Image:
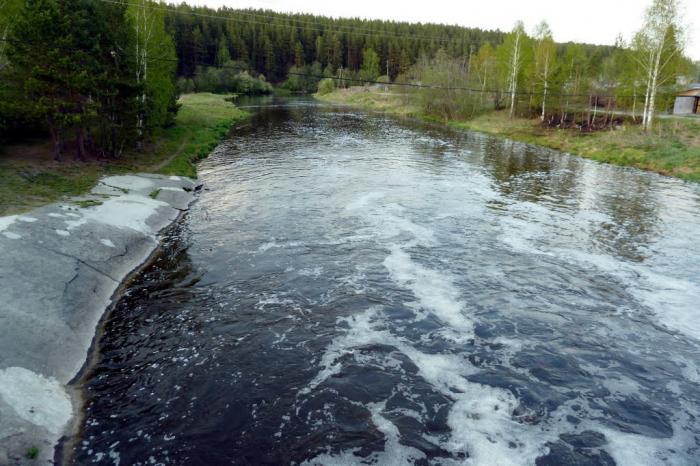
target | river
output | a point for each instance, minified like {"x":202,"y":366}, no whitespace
{"x":355,"y":289}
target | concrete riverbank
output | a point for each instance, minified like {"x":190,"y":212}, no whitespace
{"x":61,"y":266}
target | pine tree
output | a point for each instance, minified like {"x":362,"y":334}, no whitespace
{"x":370,"y":65}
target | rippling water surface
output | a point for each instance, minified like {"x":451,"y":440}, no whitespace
{"x":351,"y":289}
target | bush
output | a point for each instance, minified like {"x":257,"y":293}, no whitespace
{"x":326,"y":86}
{"x":231,"y":77}
{"x":303,"y":79}
{"x":185,"y":86}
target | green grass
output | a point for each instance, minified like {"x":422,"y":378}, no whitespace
{"x":154,"y":194}
{"x":32,"y":453}
{"x":30,"y":178}
{"x":202,"y":122}
{"x":370,"y":99}
{"x":84,"y":204}
{"x":673,"y":148}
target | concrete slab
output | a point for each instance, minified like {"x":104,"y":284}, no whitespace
{"x":61,"y":265}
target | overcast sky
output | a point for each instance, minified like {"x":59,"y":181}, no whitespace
{"x":591,"y":21}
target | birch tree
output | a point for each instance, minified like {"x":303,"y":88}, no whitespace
{"x":155,"y":58}
{"x":575,"y":72}
{"x":484,"y":70}
{"x":8,"y":10}
{"x":545,"y":61}
{"x":658,"y":46}
{"x":511,"y":58}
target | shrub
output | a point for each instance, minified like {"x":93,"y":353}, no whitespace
{"x":326,"y":86}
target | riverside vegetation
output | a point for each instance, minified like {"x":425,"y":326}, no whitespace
{"x":671,"y":148}
{"x":531,"y":89}
{"x":29,"y":177}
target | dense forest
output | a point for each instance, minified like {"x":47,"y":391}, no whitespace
{"x":105,"y":74}
{"x":271,"y":43}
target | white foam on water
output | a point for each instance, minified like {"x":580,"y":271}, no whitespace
{"x":630,"y":449}
{"x":62,"y":233}
{"x":481,"y":418}
{"x":394,"y":453}
{"x":27,"y":219}
{"x":7,"y":221}
{"x":434,"y":290}
{"x":389,"y":224}
{"x":10,"y":235}
{"x":266,"y":246}
{"x":676,"y":301}
{"x":673,"y":300}
{"x":274,"y":245}
{"x":664,"y":288}
{"x":364,"y":200}
{"x":37,"y":399}
{"x":311,"y":272}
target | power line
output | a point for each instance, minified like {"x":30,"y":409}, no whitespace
{"x":406,"y":85}
{"x":320,"y":27}
{"x":434,"y":87}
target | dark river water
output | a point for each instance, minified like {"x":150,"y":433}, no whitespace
{"x":354,"y":289}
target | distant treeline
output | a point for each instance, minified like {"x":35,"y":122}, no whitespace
{"x":104,"y":75}
{"x":271,"y":43}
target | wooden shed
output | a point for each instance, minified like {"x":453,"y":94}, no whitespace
{"x":688,"y":102}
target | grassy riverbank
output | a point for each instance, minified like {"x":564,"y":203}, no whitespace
{"x":29,"y":177}
{"x":673,"y":148}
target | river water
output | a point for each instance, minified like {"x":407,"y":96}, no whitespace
{"x":354,"y":289}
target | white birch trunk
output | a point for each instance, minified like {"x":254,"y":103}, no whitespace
{"x":654,"y":86}
{"x":546,"y":84}
{"x":515,"y":66}
{"x":143,"y":36}
{"x":645,"y":114}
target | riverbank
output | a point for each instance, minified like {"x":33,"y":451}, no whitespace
{"x":30,"y":178}
{"x":62,"y":265}
{"x":64,"y":262}
{"x":673,"y":148}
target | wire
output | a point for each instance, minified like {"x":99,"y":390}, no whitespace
{"x":321,"y":28}
{"x":409,"y":85}
{"x":437,"y":87}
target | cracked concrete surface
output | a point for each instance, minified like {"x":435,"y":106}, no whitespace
{"x":61,"y":265}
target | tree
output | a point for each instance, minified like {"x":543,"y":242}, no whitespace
{"x":658,"y":47}
{"x":370,"y":65}
{"x":156,"y":61}
{"x":511,"y":60}
{"x":483,"y":68}
{"x":89,"y":71}
{"x":42,"y":55}
{"x":545,"y":61}
{"x":8,"y":11}
{"x":298,"y":54}
{"x":575,"y":74}
{"x":222,"y":54}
